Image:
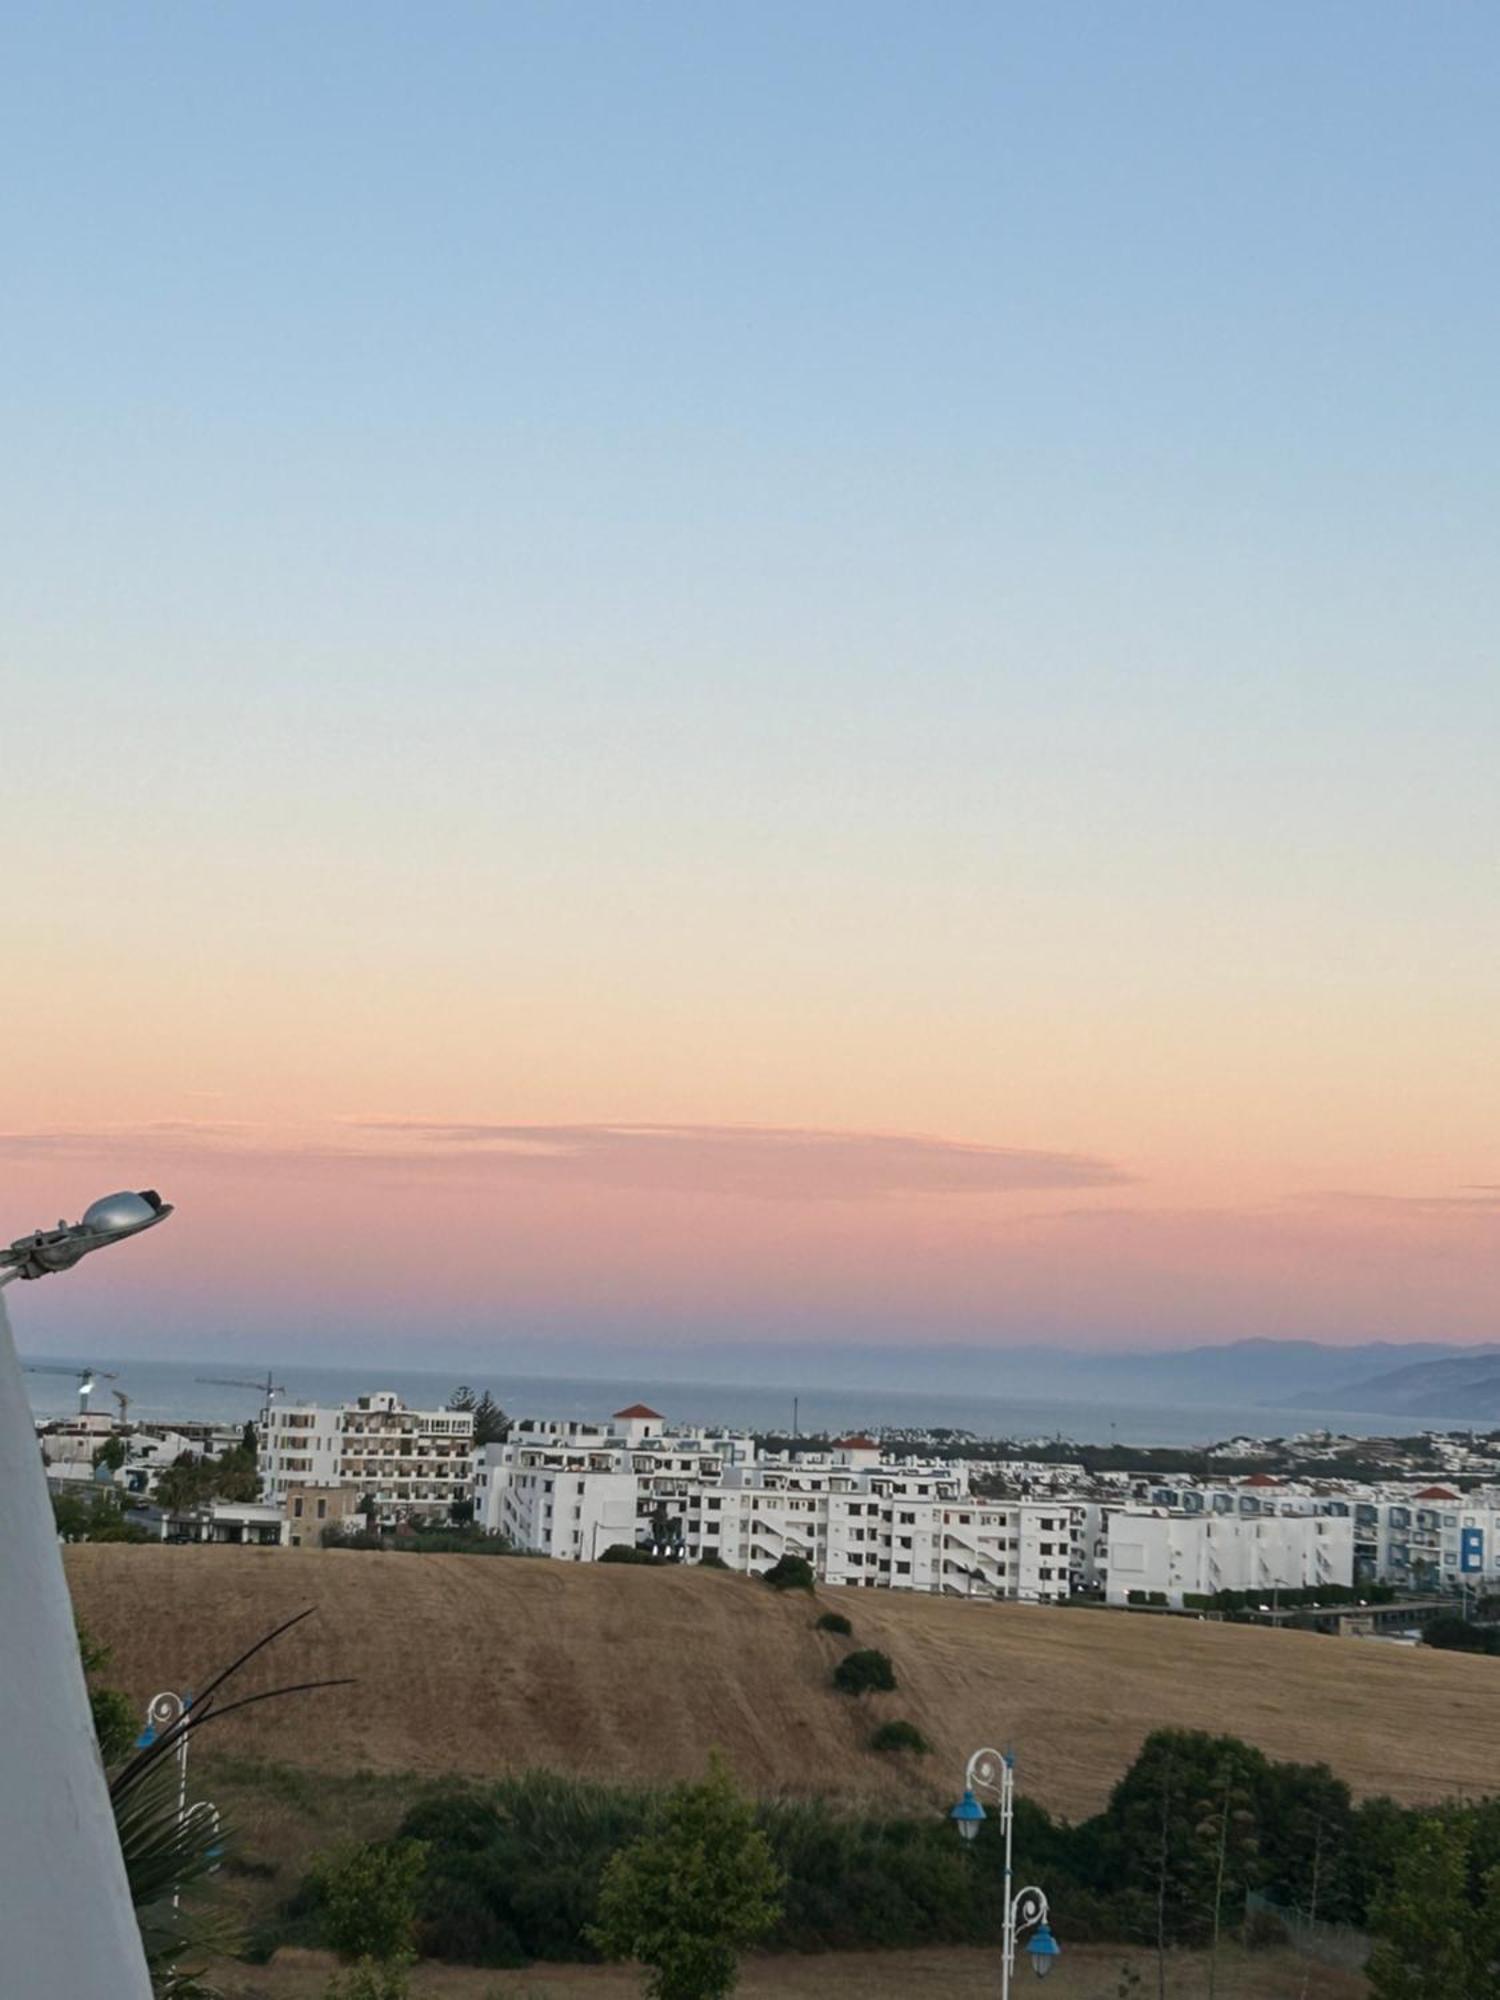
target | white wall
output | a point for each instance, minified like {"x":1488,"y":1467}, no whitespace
{"x":67,"y":1929}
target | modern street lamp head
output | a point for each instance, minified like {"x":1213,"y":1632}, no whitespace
{"x":968,"y":1815}
{"x":109,"y":1220}
{"x":1043,"y":1950}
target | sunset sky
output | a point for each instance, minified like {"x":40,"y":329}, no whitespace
{"x":696,"y":673}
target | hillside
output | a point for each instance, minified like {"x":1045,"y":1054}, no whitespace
{"x":485,"y":1665}
{"x":1467,"y":1383}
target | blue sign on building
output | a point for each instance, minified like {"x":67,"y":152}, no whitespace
{"x":1470,"y":1550}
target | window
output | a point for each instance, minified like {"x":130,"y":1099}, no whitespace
{"x":297,"y":1508}
{"x":322,"y":1510}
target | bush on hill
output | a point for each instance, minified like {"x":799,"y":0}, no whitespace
{"x":628,"y":1552}
{"x":900,"y":1736}
{"x":835,"y":1621}
{"x":864,"y":1672}
{"x":790,"y":1573}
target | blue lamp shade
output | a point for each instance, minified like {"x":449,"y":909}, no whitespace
{"x":1043,"y":1950}
{"x":968,"y":1815}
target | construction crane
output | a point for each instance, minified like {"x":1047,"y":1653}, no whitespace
{"x":84,"y":1377}
{"x":265,"y":1390}
{"x":124,"y":1402}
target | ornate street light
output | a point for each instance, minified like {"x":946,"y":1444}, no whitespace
{"x":994,"y":1771}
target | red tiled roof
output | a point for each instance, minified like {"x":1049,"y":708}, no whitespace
{"x":639,"y":1410}
{"x":855,"y":1444}
{"x":1438,"y":1493}
{"x":1261,"y":1479}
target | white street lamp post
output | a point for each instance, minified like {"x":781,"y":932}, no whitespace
{"x":163,"y":1712}
{"x":66,"y":1921}
{"x":994,"y":1771}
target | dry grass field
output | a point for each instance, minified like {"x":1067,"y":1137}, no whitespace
{"x":485,"y":1665}
{"x":1091,"y":1973}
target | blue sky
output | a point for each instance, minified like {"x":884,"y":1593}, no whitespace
{"x":875,"y":568}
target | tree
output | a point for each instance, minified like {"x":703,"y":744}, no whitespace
{"x":368,"y":1896}
{"x":194,"y":1482}
{"x":1430,"y":1943}
{"x":1229,"y":1827}
{"x":491,"y":1424}
{"x":111,"y":1454}
{"x":1454,"y":1634}
{"x":185,"y":1483}
{"x":1179,"y":1837}
{"x":689,"y":1896}
{"x":99,"y":1518}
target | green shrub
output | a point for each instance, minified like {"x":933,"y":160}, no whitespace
{"x":790,"y":1573}
{"x":835,"y":1621}
{"x":627,"y":1552}
{"x":692,"y":1893}
{"x":900,"y":1736}
{"x":369,"y":1980}
{"x":864,"y":1672}
{"x":368,"y":1898}
{"x":711,"y":1559}
{"x":1453,"y":1634}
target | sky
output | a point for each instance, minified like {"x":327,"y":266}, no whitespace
{"x":700,"y":674}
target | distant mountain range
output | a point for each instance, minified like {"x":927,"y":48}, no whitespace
{"x":1464,"y":1384}
{"x":1401,"y":1378}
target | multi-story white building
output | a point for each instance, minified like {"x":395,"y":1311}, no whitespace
{"x":572,"y":1490}
{"x":1433,"y":1539}
{"x":1176,"y":1555}
{"x":412,"y":1463}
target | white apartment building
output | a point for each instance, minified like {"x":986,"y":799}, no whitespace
{"x":413,"y":1463}
{"x":1178,"y":1555}
{"x":572,"y":1490}
{"x":1433,"y":1539}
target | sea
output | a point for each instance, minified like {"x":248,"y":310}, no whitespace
{"x":159,"y":1391}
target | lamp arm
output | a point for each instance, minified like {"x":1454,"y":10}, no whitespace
{"x":986,"y":1770}
{"x":1029,"y":1907}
